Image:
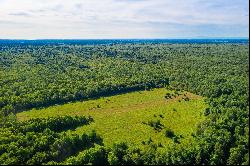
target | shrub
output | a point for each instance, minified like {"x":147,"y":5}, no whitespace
{"x":169,"y":133}
{"x":155,"y":124}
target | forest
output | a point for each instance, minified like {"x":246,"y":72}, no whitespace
{"x":37,"y":76}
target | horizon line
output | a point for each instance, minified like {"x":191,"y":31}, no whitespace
{"x":177,"y":38}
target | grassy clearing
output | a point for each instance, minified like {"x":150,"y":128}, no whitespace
{"x":126,"y":117}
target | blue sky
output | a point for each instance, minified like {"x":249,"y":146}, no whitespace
{"x":98,"y":19}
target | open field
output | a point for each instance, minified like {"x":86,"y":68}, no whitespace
{"x":124,"y":117}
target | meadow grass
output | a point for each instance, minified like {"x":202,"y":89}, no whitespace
{"x":125,"y":117}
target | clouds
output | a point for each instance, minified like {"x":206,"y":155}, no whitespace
{"x":123,"y":18}
{"x":20,"y":14}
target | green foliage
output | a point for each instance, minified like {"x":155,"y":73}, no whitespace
{"x":116,"y":156}
{"x":56,"y":124}
{"x":207,"y":112}
{"x":169,"y":133}
{"x":40,"y":76}
{"x":35,"y":143}
{"x":156,"y":124}
{"x":168,"y":96}
{"x":96,"y":155}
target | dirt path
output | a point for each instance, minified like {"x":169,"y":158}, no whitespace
{"x":140,"y":106}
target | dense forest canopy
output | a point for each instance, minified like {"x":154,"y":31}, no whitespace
{"x":40,"y":75}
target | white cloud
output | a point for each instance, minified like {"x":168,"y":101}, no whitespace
{"x":118,"y":18}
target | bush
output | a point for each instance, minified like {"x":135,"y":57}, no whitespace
{"x":169,"y":133}
{"x":168,"y":96}
{"x":207,"y":112}
{"x":156,"y":124}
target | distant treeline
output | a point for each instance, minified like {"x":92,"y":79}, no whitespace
{"x":120,"y":41}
